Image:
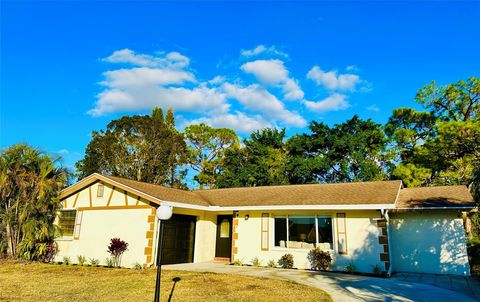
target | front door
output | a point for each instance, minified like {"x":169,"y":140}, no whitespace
{"x":224,"y":236}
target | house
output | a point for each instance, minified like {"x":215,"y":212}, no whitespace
{"x":367,"y":223}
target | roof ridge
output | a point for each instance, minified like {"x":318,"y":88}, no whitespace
{"x":298,"y":185}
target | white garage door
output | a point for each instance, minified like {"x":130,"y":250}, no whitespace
{"x":428,"y":242}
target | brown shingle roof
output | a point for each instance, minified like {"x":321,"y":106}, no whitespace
{"x":431,"y":197}
{"x":377,"y":192}
{"x":358,"y":193}
{"x":161,"y":192}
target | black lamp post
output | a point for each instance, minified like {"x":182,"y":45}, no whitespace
{"x":164,"y":213}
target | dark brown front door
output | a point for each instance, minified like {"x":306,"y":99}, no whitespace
{"x":224,"y":236}
{"x":179,"y":239}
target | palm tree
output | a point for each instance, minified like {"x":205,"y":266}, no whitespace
{"x":30,"y":182}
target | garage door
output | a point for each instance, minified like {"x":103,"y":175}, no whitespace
{"x":179,"y":239}
{"x":428,"y":242}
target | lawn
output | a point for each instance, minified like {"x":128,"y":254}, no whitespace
{"x":53,"y":282}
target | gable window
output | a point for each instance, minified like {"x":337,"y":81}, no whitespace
{"x":303,"y":232}
{"x":66,"y":222}
{"x":100,"y":190}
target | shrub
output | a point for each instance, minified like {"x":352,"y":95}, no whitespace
{"x":81,"y":260}
{"x":319,"y":260}
{"x":238,"y":262}
{"x":116,"y":248}
{"x":377,"y":269}
{"x":256,"y":262}
{"x":351,"y":267}
{"x":137,"y":266}
{"x":286,"y":261}
{"x":272,"y":263}
{"x":94,"y":262}
{"x":66,"y":260}
{"x":51,"y":251}
{"x":473,"y":248}
{"x":110,"y":261}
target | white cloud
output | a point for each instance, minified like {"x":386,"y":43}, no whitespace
{"x":63,"y":151}
{"x":274,"y":73}
{"x":141,"y":88}
{"x":332,"y":80}
{"x":169,"y":60}
{"x":238,"y":121}
{"x":262,"y":49}
{"x":333,"y":102}
{"x":200,"y":99}
{"x":352,"y":68}
{"x":256,"y":98}
{"x":143,"y":76}
{"x":373,"y":108}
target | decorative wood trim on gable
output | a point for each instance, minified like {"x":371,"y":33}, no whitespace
{"x":110,"y":197}
{"x":138,"y":200}
{"x":90,"y":195}
{"x":113,"y":208}
{"x":125,"y":195}
{"x":75,"y":201}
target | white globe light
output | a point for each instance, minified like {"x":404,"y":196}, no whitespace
{"x":164,"y":212}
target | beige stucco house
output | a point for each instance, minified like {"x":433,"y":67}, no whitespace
{"x":370,"y":223}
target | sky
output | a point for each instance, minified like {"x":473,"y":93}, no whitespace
{"x":68,"y":68}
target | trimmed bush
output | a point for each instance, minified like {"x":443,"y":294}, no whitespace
{"x":286,"y":261}
{"x":319,"y":260}
{"x":81,"y":260}
{"x":94,"y":262}
{"x":256,"y":262}
{"x":66,"y":260}
{"x":272,"y":263}
{"x":351,"y":268}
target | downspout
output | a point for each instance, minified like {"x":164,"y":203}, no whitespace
{"x":387,"y":218}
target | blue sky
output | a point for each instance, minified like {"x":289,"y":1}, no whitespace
{"x":68,"y":68}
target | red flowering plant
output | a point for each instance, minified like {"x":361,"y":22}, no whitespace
{"x":116,"y":248}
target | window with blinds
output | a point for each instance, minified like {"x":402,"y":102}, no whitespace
{"x":66,"y":222}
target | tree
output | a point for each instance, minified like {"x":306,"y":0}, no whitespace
{"x":145,"y":148}
{"x":30,"y":182}
{"x":454,"y":102}
{"x":261,"y":162}
{"x":207,"y":146}
{"x":351,"y":151}
{"x":441,"y":146}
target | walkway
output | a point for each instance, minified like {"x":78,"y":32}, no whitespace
{"x":341,"y":287}
{"x":466,"y":285}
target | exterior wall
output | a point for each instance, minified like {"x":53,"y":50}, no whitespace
{"x":116,"y":214}
{"x":205,"y":233}
{"x":363,"y":247}
{"x":428,"y":242}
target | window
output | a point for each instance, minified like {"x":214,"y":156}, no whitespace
{"x":66,"y":221}
{"x":303,"y":232}
{"x":280,"y":225}
{"x":225,"y":229}
{"x":100,"y":190}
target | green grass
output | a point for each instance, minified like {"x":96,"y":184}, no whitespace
{"x":53,"y":282}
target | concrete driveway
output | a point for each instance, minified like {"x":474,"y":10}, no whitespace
{"x":341,"y":287}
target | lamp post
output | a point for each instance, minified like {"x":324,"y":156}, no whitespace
{"x":164,"y":213}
